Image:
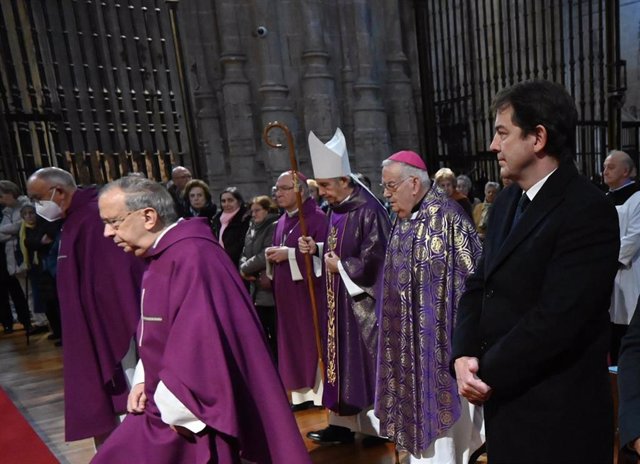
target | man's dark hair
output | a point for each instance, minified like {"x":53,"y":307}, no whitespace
{"x":539,"y":102}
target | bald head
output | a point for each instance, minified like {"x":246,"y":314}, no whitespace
{"x":55,"y":176}
{"x":180,"y":177}
{"x":285,"y":194}
{"x":618,"y":169}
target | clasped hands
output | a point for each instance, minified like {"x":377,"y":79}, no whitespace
{"x":307,"y":245}
{"x":277,"y":254}
{"x":469,"y":384}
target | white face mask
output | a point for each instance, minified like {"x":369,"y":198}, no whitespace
{"x":49,"y":209}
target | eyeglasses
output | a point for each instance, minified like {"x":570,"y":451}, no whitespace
{"x":117,"y":222}
{"x":393,"y":186}
{"x":282,"y":188}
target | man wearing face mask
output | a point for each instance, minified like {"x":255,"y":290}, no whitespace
{"x":98,"y":306}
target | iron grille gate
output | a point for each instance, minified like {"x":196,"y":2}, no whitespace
{"x":473,"y":48}
{"x":87,"y":76}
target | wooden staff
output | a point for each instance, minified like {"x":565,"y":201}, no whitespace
{"x":303,"y":225}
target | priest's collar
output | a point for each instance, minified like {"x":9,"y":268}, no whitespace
{"x":164,"y":231}
{"x":626,"y":184}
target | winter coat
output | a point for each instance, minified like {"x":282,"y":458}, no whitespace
{"x":253,"y":261}
{"x":9,"y":232}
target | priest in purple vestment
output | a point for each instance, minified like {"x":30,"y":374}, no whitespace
{"x":98,"y":288}
{"x":432,"y":249}
{"x":353,"y":258}
{"x":297,"y":351}
{"x":205,"y":389}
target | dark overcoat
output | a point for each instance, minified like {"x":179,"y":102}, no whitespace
{"x":535,"y":313}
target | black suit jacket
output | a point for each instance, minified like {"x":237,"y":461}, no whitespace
{"x":535,"y":313}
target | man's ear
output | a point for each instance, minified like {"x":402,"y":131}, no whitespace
{"x":151,"y":219}
{"x":541,"y":139}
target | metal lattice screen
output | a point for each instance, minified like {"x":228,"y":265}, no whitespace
{"x":477,"y":47}
{"x":86,"y":78}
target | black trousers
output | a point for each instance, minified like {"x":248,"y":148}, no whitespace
{"x":617,"y":332}
{"x":10,"y":288}
{"x":267,"y":315}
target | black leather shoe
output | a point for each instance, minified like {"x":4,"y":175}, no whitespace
{"x":370,"y":441}
{"x":302,"y":406}
{"x":332,"y":435}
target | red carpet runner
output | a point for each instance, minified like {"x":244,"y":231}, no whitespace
{"x":19,"y":443}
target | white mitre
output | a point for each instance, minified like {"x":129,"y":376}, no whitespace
{"x":331,"y":159}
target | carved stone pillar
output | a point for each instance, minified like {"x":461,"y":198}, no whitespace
{"x":275,"y":105}
{"x":201,"y":46}
{"x":318,"y":86}
{"x":345,"y":19}
{"x":236,"y":99}
{"x":370,"y":118}
{"x":402,"y":111}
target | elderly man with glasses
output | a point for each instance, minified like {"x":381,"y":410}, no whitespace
{"x":99,"y":289}
{"x":205,"y":389}
{"x":432,"y":248}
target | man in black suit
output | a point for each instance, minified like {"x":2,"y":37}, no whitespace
{"x":532,"y":333}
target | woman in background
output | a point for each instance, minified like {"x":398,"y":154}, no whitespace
{"x":198,"y":197}
{"x":230,"y":225}
{"x":253,"y":264}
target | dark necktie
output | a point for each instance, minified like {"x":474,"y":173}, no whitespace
{"x":522,"y":206}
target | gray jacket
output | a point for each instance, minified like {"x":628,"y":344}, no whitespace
{"x":253,"y":261}
{"x":9,"y":234}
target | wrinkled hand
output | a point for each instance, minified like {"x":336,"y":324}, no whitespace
{"x":277,"y":254}
{"x":635,"y":445}
{"x":331,"y":262}
{"x":469,"y":384}
{"x":137,"y":400}
{"x":307,"y":245}
{"x":46,"y":240}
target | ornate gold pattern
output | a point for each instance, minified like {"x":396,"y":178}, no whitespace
{"x":332,"y":241}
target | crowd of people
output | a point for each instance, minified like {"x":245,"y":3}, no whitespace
{"x":429,"y":317}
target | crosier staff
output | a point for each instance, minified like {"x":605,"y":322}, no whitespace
{"x":303,"y":225}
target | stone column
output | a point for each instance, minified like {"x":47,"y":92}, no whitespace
{"x":402,"y":111}
{"x":370,"y":119}
{"x":275,"y":104}
{"x":318,"y":85}
{"x":236,"y":99}
{"x":202,"y":46}
{"x":345,"y":19}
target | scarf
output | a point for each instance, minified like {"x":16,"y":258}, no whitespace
{"x":225,"y":219}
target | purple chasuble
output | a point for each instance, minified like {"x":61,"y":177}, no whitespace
{"x":99,"y":292}
{"x":358,"y":230}
{"x":297,"y":352}
{"x":200,"y":335}
{"x":428,"y":260}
